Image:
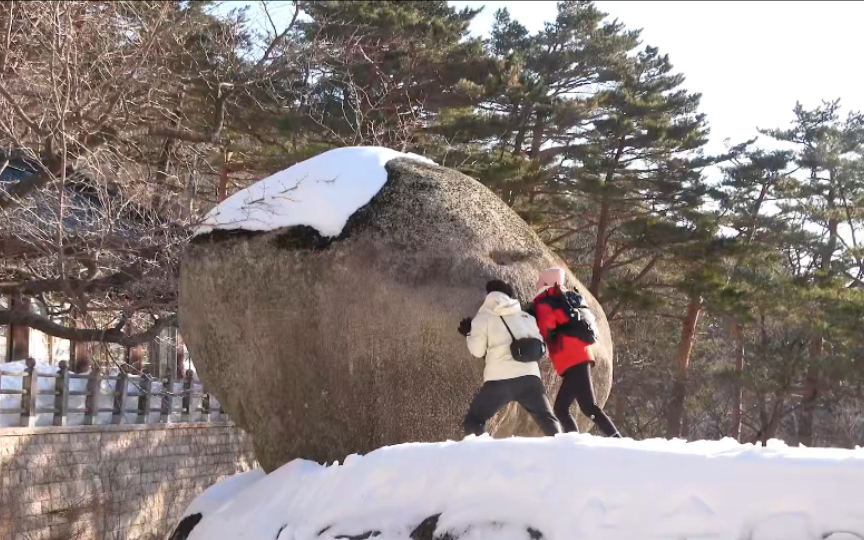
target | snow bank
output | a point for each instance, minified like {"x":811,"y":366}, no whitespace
{"x":569,"y":487}
{"x":321,"y":192}
{"x":219,"y":493}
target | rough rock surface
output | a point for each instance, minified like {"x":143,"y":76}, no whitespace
{"x":320,"y":348}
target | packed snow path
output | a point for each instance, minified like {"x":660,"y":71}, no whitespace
{"x":568,"y":487}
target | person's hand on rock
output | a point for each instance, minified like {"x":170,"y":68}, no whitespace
{"x":465,"y":326}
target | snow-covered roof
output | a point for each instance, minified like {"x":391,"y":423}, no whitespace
{"x":567,"y":487}
{"x":321,"y":192}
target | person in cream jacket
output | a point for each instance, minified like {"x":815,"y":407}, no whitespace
{"x":504,"y":379}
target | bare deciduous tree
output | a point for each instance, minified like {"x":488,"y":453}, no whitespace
{"x":115,"y":122}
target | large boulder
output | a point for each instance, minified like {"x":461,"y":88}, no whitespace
{"x":322,"y":347}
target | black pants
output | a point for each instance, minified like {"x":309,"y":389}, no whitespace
{"x":527,"y":391}
{"x":577,"y":387}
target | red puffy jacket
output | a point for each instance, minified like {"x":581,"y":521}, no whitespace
{"x":567,"y":351}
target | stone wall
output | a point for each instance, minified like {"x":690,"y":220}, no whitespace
{"x":123,"y":482}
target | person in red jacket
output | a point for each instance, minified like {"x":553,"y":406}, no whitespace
{"x":571,"y":357}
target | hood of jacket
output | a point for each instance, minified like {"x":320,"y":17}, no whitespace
{"x":500,"y":305}
{"x":549,"y":278}
{"x":549,"y":290}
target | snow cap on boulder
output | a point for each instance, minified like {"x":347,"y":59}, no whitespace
{"x":321,"y":192}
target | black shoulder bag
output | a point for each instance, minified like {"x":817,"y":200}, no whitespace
{"x":525,"y":349}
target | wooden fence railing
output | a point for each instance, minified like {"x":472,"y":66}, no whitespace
{"x":148,"y":392}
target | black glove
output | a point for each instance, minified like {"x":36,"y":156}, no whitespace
{"x":465,"y":326}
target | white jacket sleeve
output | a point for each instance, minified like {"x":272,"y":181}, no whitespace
{"x":477,"y":339}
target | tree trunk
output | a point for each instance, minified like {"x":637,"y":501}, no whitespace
{"x":520,"y":140}
{"x":8,"y":21}
{"x":19,"y":336}
{"x":685,"y":424}
{"x":736,"y":329}
{"x":519,"y":118}
{"x":537,"y":139}
{"x":80,"y":352}
{"x":222,"y":192}
{"x":769,"y":430}
{"x":598,"y":270}
{"x":164,"y":163}
{"x":833,"y":224}
{"x":811,"y":393}
{"x":135,"y":357}
{"x":737,"y":393}
{"x":154,"y":359}
{"x":81,"y":356}
{"x":181,"y":356}
{"x":599,"y":250}
{"x":679,"y":386}
{"x":811,"y":380}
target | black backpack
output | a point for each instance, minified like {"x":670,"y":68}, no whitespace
{"x":525,"y":349}
{"x":580,"y":323}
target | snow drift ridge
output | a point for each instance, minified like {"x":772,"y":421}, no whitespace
{"x":567,"y":487}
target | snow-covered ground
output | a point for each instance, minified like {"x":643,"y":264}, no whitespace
{"x":321,"y":192}
{"x":566,"y":488}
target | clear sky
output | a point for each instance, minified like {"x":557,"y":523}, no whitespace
{"x":750,"y":60}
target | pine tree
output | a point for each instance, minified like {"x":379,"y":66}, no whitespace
{"x":821,"y":205}
{"x":540,"y":95}
{"x":695,"y":265}
{"x":641,"y":167}
{"x":776,"y":283}
{"x":747,"y":195}
{"x":642,"y":170}
{"x":380,"y":72}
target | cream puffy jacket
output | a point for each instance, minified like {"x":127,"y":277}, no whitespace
{"x":489,"y":337}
